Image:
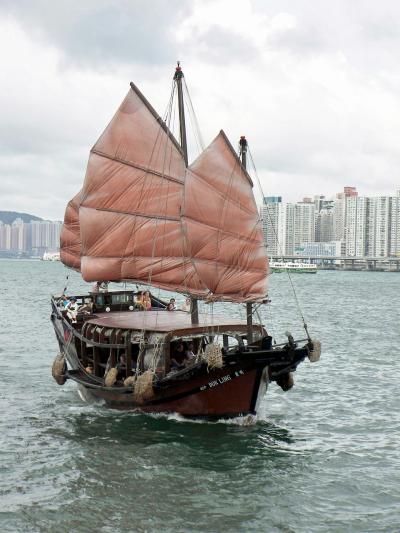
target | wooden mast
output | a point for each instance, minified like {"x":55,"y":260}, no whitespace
{"x":249,"y":305}
{"x":194,"y":310}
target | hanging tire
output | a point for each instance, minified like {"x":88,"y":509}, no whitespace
{"x":285,"y":381}
{"x":111,"y":377}
{"x":59,"y":369}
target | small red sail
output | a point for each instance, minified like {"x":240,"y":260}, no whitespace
{"x":70,"y":238}
{"x":223,"y":227}
{"x":144,"y":217}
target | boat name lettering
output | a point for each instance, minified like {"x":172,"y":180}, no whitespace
{"x":216,"y":382}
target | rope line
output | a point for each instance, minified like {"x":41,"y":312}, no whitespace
{"x":279,"y":245}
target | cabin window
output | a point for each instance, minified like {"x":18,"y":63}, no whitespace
{"x":100,"y":299}
{"x":121,"y":298}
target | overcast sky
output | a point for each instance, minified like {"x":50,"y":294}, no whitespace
{"x":314,"y":85}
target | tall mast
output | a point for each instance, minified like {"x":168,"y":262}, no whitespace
{"x":194,"y":309}
{"x":249,"y":305}
{"x":182,"y":126}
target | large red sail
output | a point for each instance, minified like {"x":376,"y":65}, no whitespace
{"x":144,"y":217}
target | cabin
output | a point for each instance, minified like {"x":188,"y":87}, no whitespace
{"x":112,"y":331}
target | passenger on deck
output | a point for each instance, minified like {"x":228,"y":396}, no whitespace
{"x":146,"y":301}
{"x":122,"y":363}
{"x":86,"y":307}
{"x":189,"y":354}
{"x":138,"y":298}
{"x":63,"y":301}
{"x":171,"y":306}
{"x":103,"y":287}
{"x":96,"y":288}
{"x":178,"y":357}
{"x":186,"y":305}
{"x":72,"y":309}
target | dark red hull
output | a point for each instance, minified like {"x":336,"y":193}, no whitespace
{"x":223,"y":393}
{"x":196,"y":391}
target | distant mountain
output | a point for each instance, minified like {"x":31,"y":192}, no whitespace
{"x":8,"y":217}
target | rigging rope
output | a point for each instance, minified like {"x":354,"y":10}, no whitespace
{"x":192,"y":112}
{"x":279,"y":245}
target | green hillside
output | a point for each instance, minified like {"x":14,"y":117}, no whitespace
{"x":8,"y":217}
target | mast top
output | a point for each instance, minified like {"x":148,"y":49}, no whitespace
{"x":178,"y":71}
{"x":243,"y":143}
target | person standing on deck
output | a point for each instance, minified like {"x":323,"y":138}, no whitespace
{"x":146,"y":301}
{"x":171,"y":306}
{"x":186,"y":305}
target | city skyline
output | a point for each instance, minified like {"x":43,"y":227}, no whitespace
{"x":33,"y":238}
{"x":349,"y":225}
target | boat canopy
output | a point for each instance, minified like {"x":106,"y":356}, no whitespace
{"x":168,"y":321}
{"x":143,"y":216}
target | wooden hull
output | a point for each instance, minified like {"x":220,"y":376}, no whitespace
{"x":231,"y":391}
{"x":207,"y":397}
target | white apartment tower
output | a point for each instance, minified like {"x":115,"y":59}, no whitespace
{"x":285,"y":226}
{"x":304,"y":224}
{"x":271,"y":215}
{"x":383,"y":226}
{"x":355,"y":225}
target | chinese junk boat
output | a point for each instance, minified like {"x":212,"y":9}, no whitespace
{"x":144,"y":216}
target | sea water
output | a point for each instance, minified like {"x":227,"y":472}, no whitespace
{"x":323,"y":457}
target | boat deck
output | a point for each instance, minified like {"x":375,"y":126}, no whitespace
{"x":163,"y":321}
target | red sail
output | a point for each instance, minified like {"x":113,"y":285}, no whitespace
{"x":70,"y":238}
{"x":144,"y":217}
{"x":223,"y":227}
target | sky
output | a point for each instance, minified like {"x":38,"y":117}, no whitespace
{"x":314,"y":86}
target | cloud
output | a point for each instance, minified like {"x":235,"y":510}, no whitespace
{"x":101,"y":33}
{"x":314,"y":86}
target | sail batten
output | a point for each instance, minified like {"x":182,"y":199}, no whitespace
{"x":138,"y":167}
{"x":143,"y":216}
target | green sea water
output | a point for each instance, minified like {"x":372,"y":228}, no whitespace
{"x":323,"y":457}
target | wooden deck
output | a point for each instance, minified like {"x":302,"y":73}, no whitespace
{"x":163,"y":321}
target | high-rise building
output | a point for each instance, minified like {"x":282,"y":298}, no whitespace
{"x":5,"y":236}
{"x":324,"y":231}
{"x":304,"y":223}
{"x":45,"y":235}
{"x":271,"y":213}
{"x":383,"y":226}
{"x":18,"y":235}
{"x":355,"y":225}
{"x":287,"y":225}
{"x":339,"y":212}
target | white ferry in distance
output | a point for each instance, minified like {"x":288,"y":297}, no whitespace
{"x":299,"y":267}
{"x":51,"y":256}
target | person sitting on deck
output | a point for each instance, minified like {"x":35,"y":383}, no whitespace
{"x":63,"y":301}
{"x":178,"y":357}
{"x":122,"y":363}
{"x":86,"y":307}
{"x":96,"y":287}
{"x":186,"y":304}
{"x":146,"y":301}
{"x":72,"y":310}
{"x":171,"y":306}
{"x":189,"y":354}
{"x":103,"y":287}
{"x":138,"y":298}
